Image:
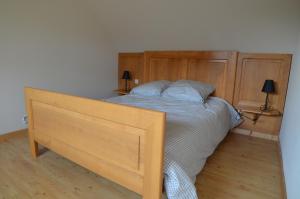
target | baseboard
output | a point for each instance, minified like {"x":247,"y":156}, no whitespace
{"x":19,"y":133}
{"x":255,"y":134}
{"x":283,"y":185}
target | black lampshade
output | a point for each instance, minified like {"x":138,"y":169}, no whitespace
{"x":268,"y":86}
{"x":126,"y":75}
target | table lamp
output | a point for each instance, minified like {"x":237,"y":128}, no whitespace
{"x":267,"y":88}
{"x":126,"y":76}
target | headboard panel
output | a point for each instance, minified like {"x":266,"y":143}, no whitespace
{"x":235,"y":75}
{"x":215,"y":67}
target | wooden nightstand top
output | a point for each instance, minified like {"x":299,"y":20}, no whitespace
{"x":122,"y":91}
{"x":258,"y":111}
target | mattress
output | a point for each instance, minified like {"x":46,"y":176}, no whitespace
{"x":193,"y":131}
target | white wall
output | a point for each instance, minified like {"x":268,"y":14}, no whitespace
{"x":72,"y":45}
{"x":290,"y":131}
{"x":53,"y":44}
{"x":244,"y":25}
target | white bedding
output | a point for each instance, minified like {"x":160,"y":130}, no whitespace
{"x":193,"y":131}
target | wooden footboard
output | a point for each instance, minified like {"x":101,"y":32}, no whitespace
{"x":121,"y":143}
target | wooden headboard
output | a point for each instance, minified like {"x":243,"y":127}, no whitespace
{"x":214,"y":67}
{"x":252,"y":70}
{"x":238,"y":77}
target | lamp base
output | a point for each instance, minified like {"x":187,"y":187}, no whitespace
{"x":126,"y":85}
{"x":265,"y":108}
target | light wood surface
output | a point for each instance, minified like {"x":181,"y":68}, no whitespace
{"x":122,"y":143}
{"x":255,"y":134}
{"x":257,"y":110}
{"x":243,"y":83}
{"x":252,"y":70}
{"x":214,"y":67}
{"x":19,"y":133}
{"x":241,"y":168}
{"x":51,"y":176}
{"x":283,"y":185}
{"x":132,"y":62}
{"x":122,"y":91}
{"x":125,"y":144}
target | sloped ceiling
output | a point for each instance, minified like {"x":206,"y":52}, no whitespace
{"x":245,"y":25}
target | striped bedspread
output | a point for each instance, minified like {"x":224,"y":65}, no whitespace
{"x":193,"y":131}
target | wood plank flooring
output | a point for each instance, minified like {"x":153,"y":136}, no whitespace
{"x":242,"y":167}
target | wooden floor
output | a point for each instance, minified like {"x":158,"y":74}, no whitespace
{"x":242,"y":167}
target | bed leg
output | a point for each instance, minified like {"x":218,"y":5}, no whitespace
{"x":34,"y":148}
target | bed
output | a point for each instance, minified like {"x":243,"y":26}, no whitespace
{"x":193,"y":131}
{"x":125,"y":142}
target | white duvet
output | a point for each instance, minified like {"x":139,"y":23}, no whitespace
{"x":193,"y":131}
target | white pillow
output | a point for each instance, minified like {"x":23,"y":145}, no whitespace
{"x":151,"y":89}
{"x":189,"y":90}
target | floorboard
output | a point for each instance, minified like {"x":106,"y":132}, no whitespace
{"x":241,"y":168}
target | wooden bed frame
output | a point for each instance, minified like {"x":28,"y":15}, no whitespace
{"x":214,"y":67}
{"x":122,"y":143}
{"x":251,"y":72}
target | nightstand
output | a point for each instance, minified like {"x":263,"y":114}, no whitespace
{"x":257,"y":112}
{"x":122,"y":91}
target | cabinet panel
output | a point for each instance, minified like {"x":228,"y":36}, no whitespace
{"x":252,"y":71}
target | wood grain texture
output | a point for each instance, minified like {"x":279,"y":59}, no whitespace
{"x":251,"y":133}
{"x":132,"y":62}
{"x":122,"y":91}
{"x":283,"y":185}
{"x":252,"y":70}
{"x":241,"y":167}
{"x":238,"y":77}
{"x":214,"y":67}
{"x":51,"y":176}
{"x":126,"y":148}
{"x":14,"y":134}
